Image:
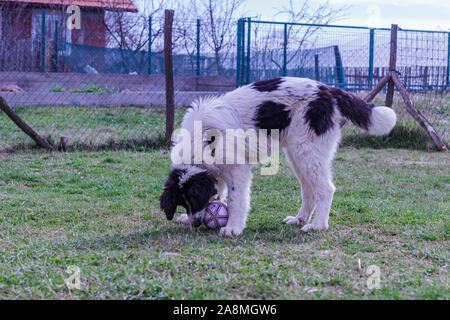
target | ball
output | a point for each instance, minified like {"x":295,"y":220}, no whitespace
{"x":216,"y":215}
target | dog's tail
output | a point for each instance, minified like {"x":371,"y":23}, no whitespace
{"x":378,"y":120}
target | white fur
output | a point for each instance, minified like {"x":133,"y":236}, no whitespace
{"x":309,"y":155}
{"x":383,"y":119}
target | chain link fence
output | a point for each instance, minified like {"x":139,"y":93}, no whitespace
{"x":423,"y":59}
{"x":353,"y":58}
{"x":101,"y":83}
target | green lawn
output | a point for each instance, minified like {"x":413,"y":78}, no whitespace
{"x":89,"y":128}
{"x":99,"y":211}
{"x":133,"y":128}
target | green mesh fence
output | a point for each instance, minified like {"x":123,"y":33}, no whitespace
{"x":90,"y":59}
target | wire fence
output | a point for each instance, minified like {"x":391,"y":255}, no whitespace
{"x":103,"y":86}
{"x":353,"y":58}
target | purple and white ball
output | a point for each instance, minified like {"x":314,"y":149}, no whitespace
{"x":216,"y":215}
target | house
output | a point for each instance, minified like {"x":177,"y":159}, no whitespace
{"x":21,"y":29}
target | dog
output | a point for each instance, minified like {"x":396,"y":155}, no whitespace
{"x":306,"y":114}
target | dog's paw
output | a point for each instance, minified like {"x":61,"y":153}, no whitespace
{"x":294,"y":220}
{"x":311,"y":226}
{"x":291,"y":220}
{"x":184,"y":219}
{"x":230,"y":231}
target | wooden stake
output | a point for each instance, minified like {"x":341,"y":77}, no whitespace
{"x":25,"y":127}
{"x":417,"y":115}
{"x":168,"y":64}
{"x":372,"y":94}
{"x":392,"y":65}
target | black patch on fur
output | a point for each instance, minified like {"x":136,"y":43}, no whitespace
{"x":320,"y":111}
{"x":352,"y":107}
{"x":272,"y":115}
{"x":194,"y":194}
{"x":267,"y":85}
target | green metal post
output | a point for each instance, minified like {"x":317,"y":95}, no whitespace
{"x":339,"y":68}
{"x":150,"y":45}
{"x":56,"y":47}
{"x":243,"y":52}
{"x":371,"y":56}
{"x":448,"y":60}
{"x":198,"y":47}
{"x":285,"y":50}
{"x":248,"y":51}
{"x":316,"y":67}
{"x":238,"y":53}
{"x":43,"y":42}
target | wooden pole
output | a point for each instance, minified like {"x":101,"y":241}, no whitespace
{"x":416,"y":114}
{"x":25,"y":127}
{"x":168,"y":65}
{"x":378,"y":87}
{"x":392,"y":65}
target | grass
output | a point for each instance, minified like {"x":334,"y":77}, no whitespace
{"x":99,"y":211}
{"x":90,"y":89}
{"x":88,"y":128}
{"x":132,"y":128}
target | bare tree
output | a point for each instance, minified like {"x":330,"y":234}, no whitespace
{"x":184,"y":31}
{"x":309,"y":13}
{"x":322,"y":13}
{"x":219,"y":31}
{"x":126,"y":30}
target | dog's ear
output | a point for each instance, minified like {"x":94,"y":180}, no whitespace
{"x":168,"y":200}
{"x":168,"y":203}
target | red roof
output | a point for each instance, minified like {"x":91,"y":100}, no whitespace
{"x":126,"y":5}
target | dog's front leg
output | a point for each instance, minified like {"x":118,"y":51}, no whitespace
{"x":183,"y":219}
{"x":239,"y":180}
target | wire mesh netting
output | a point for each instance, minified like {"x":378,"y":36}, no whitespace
{"x":99,"y":85}
{"x":102,"y":85}
{"x":423,"y":66}
{"x":353,"y":58}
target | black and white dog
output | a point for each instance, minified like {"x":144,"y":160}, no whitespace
{"x":306,"y":115}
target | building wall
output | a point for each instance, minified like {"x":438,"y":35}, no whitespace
{"x":16,"y":25}
{"x":93,"y":29}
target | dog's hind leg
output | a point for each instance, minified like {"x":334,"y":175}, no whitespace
{"x":317,"y":169}
{"x":304,"y":214}
{"x":323,"y":190}
{"x":313,"y":164}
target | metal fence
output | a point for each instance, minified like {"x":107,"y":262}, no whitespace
{"x":354,"y":58}
{"x":104,"y":89}
{"x":99,"y":86}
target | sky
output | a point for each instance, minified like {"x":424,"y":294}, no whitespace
{"x":408,"y":14}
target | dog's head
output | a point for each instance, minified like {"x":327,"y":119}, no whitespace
{"x":190,"y":187}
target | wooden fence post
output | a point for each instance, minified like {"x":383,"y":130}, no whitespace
{"x":25,"y":127}
{"x":392,"y":65}
{"x":168,"y":66}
